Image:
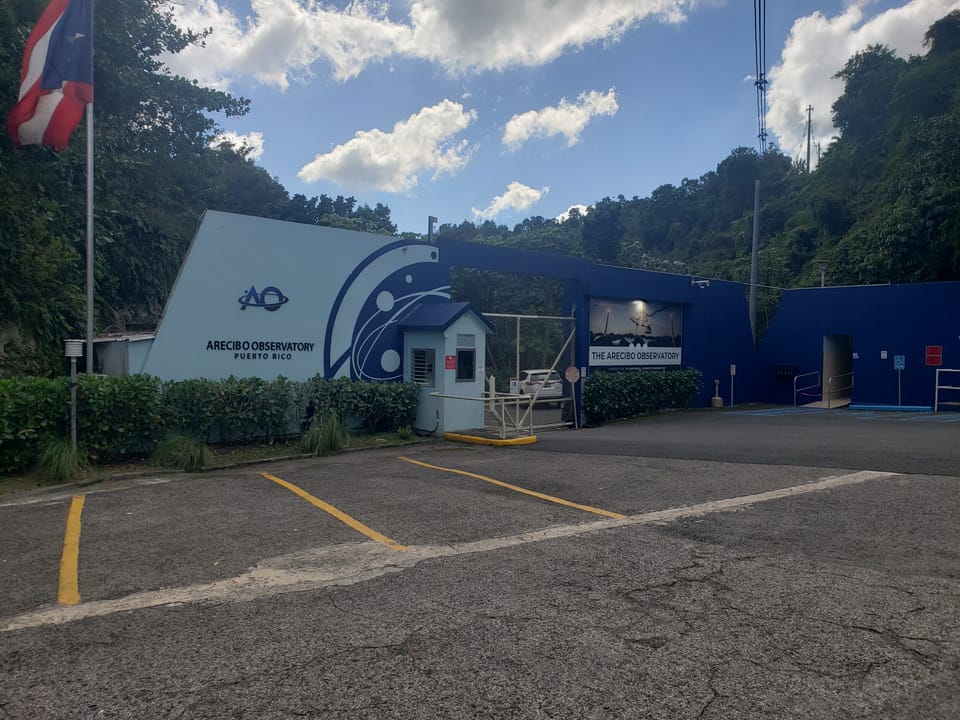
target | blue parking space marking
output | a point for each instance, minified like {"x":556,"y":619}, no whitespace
{"x":907,"y":417}
{"x":768,"y":412}
{"x":948,"y":417}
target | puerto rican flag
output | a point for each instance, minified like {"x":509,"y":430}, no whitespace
{"x":56,"y":81}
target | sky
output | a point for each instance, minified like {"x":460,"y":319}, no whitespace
{"x":507,"y":109}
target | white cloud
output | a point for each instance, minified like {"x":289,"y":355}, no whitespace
{"x":567,"y":119}
{"x":818,"y":47}
{"x":286,"y":38}
{"x":393,"y":161}
{"x":565,"y":215}
{"x":517,"y":197}
{"x":252,"y":142}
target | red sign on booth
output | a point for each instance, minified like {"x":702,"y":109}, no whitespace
{"x":934,"y":355}
{"x":450,"y":361}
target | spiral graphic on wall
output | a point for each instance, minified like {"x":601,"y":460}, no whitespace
{"x":363,"y":341}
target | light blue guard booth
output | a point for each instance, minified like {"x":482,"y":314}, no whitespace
{"x":444,"y":346}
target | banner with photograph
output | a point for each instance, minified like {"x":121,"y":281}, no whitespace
{"x":635,"y":333}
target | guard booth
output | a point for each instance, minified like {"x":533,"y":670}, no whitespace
{"x":444,"y":346}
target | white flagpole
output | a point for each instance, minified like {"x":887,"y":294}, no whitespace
{"x":90,"y":211}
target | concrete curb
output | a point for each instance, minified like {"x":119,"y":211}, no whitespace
{"x":154,"y":471}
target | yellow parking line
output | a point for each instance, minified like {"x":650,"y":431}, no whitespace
{"x":69,"y":590}
{"x":338,"y":514}
{"x":508,"y":486}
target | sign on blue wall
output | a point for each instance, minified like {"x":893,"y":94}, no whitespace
{"x":263,"y":298}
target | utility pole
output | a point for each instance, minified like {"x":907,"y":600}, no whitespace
{"x":809,"y":119}
{"x":754,"y":259}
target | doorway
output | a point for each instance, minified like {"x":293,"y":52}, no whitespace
{"x":837,"y":375}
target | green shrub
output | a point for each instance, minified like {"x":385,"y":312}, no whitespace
{"x":183,"y":453}
{"x":128,"y":415}
{"x":32,"y":410}
{"x":191,"y":407}
{"x":613,"y":395}
{"x":61,"y":462}
{"x":370,"y":406}
{"x":325,"y":437}
{"x":329,"y":397}
{"x":119,"y":416}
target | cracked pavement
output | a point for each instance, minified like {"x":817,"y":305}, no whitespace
{"x":836,"y":602}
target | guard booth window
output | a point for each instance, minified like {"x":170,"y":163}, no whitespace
{"x":423,"y":363}
{"x":466,"y":364}
{"x":466,"y":357}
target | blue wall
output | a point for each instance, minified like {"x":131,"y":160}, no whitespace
{"x":343,"y":293}
{"x":716,"y":326}
{"x":898,"y":319}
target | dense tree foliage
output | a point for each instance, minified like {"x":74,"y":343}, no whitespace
{"x":883,"y":205}
{"x":155,"y":174}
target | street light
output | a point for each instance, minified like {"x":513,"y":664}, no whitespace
{"x":73,"y":349}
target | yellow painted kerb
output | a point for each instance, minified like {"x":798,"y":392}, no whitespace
{"x":477,"y":440}
{"x":515,"y":488}
{"x":338,"y":514}
{"x":69,"y":589}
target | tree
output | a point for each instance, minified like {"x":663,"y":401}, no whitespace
{"x":603,"y":231}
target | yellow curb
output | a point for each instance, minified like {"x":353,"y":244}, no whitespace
{"x":458,"y":437}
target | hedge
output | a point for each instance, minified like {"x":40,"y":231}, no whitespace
{"x":614,"y":395}
{"x":119,"y":416}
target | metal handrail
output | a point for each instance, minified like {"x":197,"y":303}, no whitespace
{"x":797,"y":390}
{"x":939,"y":387}
{"x":521,"y":419}
{"x":831,"y":391}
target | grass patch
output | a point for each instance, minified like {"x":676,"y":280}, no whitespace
{"x":325,"y":437}
{"x":221,"y":455}
{"x":61,"y":462}
{"x":182,"y":453}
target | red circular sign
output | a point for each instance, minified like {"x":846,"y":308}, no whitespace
{"x":571,"y":374}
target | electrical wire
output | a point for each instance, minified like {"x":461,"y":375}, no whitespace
{"x":760,"y":67}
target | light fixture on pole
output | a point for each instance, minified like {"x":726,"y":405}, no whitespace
{"x":73,"y":349}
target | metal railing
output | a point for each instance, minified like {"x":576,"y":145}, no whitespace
{"x":507,"y":414}
{"x":818,"y":384}
{"x":513,"y":414}
{"x":831,"y":390}
{"x":939,"y":387}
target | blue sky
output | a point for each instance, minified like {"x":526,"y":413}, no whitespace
{"x":504,"y":109}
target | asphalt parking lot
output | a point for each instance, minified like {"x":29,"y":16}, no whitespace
{"x":757,"y":564}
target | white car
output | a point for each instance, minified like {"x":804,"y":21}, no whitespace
{"x":545,"y":380}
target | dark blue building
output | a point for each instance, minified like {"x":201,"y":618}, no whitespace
{"x":875,"y":344}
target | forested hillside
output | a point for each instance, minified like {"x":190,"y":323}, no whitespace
{"x":155,"y":173}
{"x":883,"y":205}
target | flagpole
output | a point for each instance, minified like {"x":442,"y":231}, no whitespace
{"x":90,"y":211}
{"x":89,"y":238}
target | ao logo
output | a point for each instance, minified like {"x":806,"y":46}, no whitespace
{"x":363,"y":341}
{"x":270,"y":298}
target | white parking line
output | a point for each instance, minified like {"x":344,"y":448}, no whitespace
{"x":359,"y":562}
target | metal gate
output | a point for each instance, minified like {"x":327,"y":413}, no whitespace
{"x":512,"y":414}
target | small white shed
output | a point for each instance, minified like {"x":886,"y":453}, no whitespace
{"x":444,"y":346}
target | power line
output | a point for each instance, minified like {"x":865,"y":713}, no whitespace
{"x":760,"y":68}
